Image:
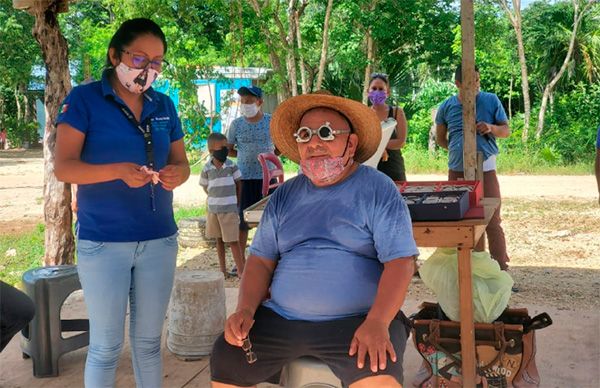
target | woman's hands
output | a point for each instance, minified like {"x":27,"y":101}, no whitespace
{"x":132,"y":174}
{"x":172,"y":175}
{"x":136,"y":176}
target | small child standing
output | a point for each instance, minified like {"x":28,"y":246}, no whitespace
{"x":221,"y":180}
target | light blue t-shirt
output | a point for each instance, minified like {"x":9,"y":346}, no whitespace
{"x":330,"y":243}
{"x":488,"y":108}
{"x":251,"y":139}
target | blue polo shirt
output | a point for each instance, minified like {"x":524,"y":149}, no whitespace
{"x":112,"y":211}
{"x":488,"y":108}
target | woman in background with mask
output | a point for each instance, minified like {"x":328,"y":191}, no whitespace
{"x":247,"y":137}
{"x":392,"y":162}
{"x":121,"y":142}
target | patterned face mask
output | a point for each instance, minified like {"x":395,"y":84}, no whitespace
{"x":325,"y":169}
{"x":377,"y":97}
{"x":136,"y":80}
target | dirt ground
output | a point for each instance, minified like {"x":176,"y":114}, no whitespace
{"x":552,"y":225}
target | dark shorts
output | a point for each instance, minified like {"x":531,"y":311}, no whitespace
{"x":251,"y":193}
{"x":277,"y":341}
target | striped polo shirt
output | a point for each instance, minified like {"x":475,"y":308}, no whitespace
{"x":220,"y":184}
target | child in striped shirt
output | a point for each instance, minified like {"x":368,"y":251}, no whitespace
{"x":221,"y":180}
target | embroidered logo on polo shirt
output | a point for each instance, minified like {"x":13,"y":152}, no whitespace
{"x":161,"y":124}
{"x":63,"y":108}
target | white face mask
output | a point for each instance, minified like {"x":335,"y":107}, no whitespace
{"x":249,"y":110}
{"x":136,"y":80}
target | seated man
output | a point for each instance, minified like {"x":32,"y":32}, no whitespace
{"x":335,"y":247}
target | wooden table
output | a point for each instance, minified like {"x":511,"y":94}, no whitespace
{"x":463,"y":235}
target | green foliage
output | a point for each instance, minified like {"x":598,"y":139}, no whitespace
{"x":29,"y":251}
{"x":419,"y":110}
{"x":19,"y":132}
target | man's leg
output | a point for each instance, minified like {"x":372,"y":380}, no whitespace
{"x":377,"y":381}
{"x":237,"y":257}
{"x":331,"y":343}
{"x":494,"y":231}
{"x":274,"y":342}
{"x":16,"y":310}
{"x":243,"y":240}
{"x":221,"y":255}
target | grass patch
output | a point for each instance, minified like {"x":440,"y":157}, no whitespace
{"x":188,"y":212}
{"x":420,"y":161}
{"x":29,"y":251}
{"x":28,"y":248}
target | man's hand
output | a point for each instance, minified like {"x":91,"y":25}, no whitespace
{"x":372,"y":337}
{"x":238,"y":326}
{"x":171,"y":176}
{"x":484,"y":128}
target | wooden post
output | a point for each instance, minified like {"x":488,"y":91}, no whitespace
{"x":59,"y":241}
{"x":468,"y":91}
{"x":468,"y":94}
{"x":467,"y":327}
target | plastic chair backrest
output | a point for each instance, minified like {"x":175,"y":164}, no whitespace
{"x":270,"y":172}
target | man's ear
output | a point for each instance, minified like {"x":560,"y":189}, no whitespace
{"x":352,"y":144}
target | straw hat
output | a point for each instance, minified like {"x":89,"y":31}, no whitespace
{"x":286,"y":121}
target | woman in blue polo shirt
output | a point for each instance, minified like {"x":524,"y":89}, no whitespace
{"x":122,"y":143}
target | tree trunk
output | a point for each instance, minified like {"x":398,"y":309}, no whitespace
{"x":325,"y":46}
{"x":289,"y":45}
{"x":59,"y":242}
{"x":369,"y":40}
{"x":515,"y":19}
{"x":284,"y":92}
{"x":524,"y":83}
{"x":305,"y":88}
{"x":510,"y":90}
{"x":18,"y":102}
{"x":577,"y":16}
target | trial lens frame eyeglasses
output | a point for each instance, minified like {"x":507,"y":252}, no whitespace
{"x":141,"y":61}
{"x":325,"y":133}
{"x":247,"y":347}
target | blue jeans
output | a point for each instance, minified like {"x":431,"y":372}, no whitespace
{"x":111,"y":274}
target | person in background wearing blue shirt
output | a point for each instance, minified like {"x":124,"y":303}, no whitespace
{"x":247,"y":137}
{"x":334,"y":249}
{"x":492,"y":123}
{"x":121,"y":142}
{"x":597,"y":164}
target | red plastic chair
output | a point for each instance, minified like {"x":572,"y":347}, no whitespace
{"x":270,"y":174}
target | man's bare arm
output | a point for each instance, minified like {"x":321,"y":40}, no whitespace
{"x":441,"y":135}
